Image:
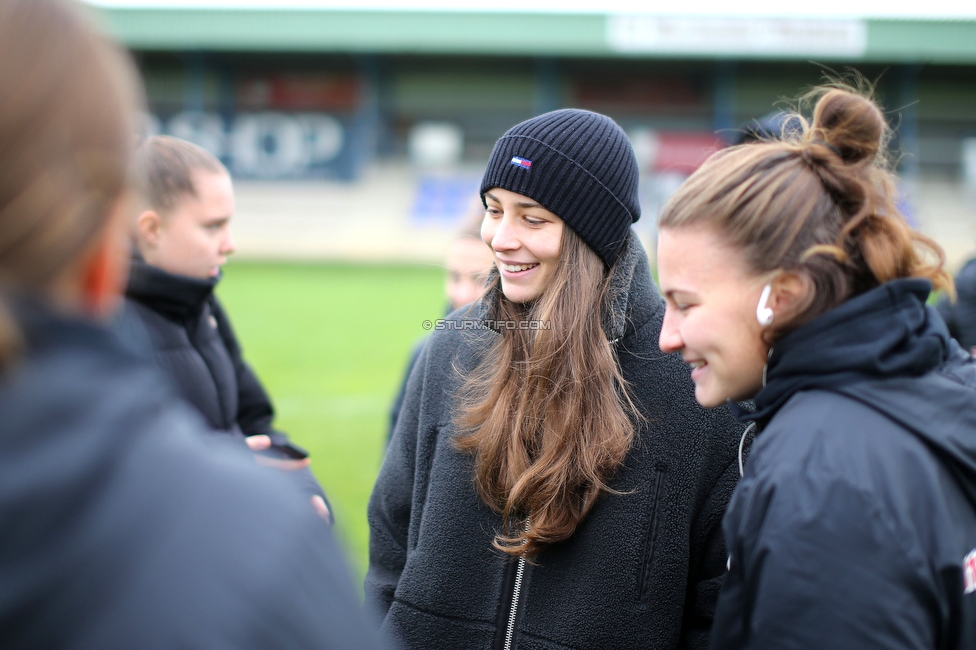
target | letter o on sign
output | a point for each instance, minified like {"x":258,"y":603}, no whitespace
{"x":325,"y":136}
{"x":268,"y":144}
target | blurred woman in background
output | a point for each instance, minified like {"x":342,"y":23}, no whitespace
{"x":551,"y":482}
{"x":791,"y":278}
{"x":122,"y":527}
{"x":172,"y":316}
{"x":468,"y":263}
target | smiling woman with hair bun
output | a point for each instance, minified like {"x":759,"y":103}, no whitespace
{"x":791,"y":279}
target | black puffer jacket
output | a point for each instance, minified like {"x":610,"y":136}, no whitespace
{"x":124,"y":526}
{"x":855,"y":523}
{"x":641,"y":571}
{"x":177,"y":323}
{"x":960,"y":316}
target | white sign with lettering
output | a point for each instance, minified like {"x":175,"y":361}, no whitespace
{"x":268,"y":144}
{"x":700,"y":35}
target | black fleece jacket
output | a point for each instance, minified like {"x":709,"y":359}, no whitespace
{"x":126,"y":526}
{"x":855,"y":523}
{"x":177,"y":323}
{"x":642,"y":570}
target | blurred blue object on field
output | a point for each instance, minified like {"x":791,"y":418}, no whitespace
{"x":441,"y":199}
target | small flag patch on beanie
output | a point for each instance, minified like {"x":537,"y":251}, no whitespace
{"x":521,"y":162}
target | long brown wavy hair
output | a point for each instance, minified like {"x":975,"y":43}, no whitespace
{"x":821,"y":202}
{"x":546,"y":414}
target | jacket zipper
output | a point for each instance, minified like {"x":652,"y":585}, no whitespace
{"x":516,"y":590}
{"x":511,"y":584}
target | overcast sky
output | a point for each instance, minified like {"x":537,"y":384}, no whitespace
{"x":771,"y":8}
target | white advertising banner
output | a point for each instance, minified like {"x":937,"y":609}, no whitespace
{"x":737,"y":36}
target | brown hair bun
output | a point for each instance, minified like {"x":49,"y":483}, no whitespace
{"x":852,"y":125}
{"x":823,"y":206}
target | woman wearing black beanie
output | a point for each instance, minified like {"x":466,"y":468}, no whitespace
{"x":551,"y":482}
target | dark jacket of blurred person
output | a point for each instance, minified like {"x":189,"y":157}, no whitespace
{"x":960,"y":316}
{"x":642,"y":570}
{"x":177,"y":323}
{"x":126,"y":527}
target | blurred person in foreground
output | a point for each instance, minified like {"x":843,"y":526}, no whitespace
{"x":123,"y":525}
{"x":469,"y":260}
{"x":171,"y":315}
{"x":792,"y":279}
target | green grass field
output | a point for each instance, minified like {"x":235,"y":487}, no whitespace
{"x":330,"y":343}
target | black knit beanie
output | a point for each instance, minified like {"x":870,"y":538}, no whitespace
{"x":578,"y":165}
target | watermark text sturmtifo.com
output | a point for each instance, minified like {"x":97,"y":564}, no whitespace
{"x":480,"y":324}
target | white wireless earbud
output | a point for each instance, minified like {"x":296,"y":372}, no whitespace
{"x":763,"y":313}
